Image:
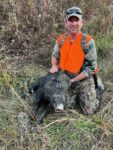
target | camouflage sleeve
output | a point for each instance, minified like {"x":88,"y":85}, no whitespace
{"x":56,"y":52}
{"x":90,"y":62}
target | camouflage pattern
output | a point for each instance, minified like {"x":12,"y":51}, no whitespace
{"x":85,"y":93}
{"x":90,"y":62}
{"x":60,"y":93}
{"x":88,"y":101}
{"x":99,"y":86}
{"x":88,"y":90}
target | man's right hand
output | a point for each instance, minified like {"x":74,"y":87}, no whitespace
{"x":54,"y":69}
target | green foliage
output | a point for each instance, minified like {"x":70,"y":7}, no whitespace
{"x":75,"y":132}
{"x":72,"y":135}
{"x":104,"y":45}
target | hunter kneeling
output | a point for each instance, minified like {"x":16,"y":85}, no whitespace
{"x":75,"y":54}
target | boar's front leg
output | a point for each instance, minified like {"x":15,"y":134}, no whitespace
{"x":37,"y":100}
{"x":47,"y":109}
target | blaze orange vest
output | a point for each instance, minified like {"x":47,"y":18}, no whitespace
{"x":72,"y":54}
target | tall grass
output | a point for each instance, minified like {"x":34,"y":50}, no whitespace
{"x":70,"y":131}
{"x":28,"y":32}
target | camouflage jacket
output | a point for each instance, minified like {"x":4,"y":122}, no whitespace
{"x":90,"y":61}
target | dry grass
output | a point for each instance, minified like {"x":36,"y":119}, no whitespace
{"x":70,"y":131}
{"x":27,"y":34}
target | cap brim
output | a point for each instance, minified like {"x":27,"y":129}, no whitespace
{"x":76,"y":15}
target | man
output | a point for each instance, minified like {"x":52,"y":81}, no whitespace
{"x":76,"y":63}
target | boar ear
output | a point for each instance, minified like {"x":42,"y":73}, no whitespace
{"x":53,"y":79}
{"x":64,"y":76}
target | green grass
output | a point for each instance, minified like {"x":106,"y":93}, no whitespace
{"x":72,"y":131}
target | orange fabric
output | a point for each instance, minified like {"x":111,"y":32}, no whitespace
{"x":71,"y":55}
{"x":60,"y":38}
{"x":89,"y":37}
{"x":96,"y":70}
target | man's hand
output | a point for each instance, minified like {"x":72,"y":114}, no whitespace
{"x":72,"y":80}
{"x":54,"y":69}
{"x":79,"y":77}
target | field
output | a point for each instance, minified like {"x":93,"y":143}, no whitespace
{"x":26,"y":44}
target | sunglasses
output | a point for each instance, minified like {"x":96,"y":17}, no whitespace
{"x":72,"y":10}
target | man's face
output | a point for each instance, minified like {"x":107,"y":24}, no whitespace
{"x":74,"y":25}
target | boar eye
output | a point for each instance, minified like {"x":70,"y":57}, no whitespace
{"x":58,"y":85}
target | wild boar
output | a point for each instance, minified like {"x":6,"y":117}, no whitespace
{"x":51,"y":89}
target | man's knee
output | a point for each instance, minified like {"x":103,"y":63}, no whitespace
{"x":89,"y":104}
